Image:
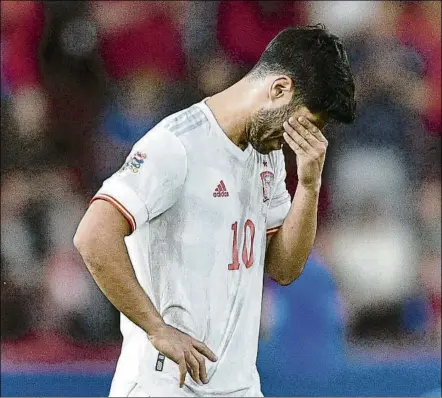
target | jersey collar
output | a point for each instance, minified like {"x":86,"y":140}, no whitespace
{"x":236,"y":151}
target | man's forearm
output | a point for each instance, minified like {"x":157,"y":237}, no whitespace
{"x":291,"y":245}
{"x":113,"y":272}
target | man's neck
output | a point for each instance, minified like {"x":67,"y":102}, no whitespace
{"x":231,"y":110}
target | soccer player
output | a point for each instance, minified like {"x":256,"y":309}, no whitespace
{"x":179,"y":238}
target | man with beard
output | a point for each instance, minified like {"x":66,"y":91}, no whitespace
{"x":179,"y":238}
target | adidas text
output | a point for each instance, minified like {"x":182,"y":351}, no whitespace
{"x":220,"y":194}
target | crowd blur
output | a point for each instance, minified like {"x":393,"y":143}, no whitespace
{"x":81,"y":82}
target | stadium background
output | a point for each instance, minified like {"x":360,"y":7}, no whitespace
{"x":82,"y":81}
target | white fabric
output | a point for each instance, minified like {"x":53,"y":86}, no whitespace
{"x":156,"y":184}
{"x":183,"y":245}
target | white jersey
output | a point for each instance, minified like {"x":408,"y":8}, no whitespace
{"x":200,"y":209}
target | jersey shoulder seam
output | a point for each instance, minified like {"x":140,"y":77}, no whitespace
{"x":185,"y":121}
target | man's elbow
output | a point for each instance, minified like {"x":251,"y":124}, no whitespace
{"x":286,"y":278}
{"x":80,"y":243}
{"x":83,"y":242}
{"x":285,"y":281}
{"x":90,"y":251}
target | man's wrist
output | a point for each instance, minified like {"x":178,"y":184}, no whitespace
{"x":154,"y":326}
{"x":311,"y":189}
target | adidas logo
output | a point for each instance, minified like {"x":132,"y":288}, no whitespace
{"x":220,"y":190}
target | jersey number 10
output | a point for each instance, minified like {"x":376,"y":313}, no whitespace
{"x":247,"y":257}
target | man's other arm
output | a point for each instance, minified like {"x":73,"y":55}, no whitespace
{"x":100,"y":241}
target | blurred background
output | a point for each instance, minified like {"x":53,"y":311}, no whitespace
{"x":81,"y":82}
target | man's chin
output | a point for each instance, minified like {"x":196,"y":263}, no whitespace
{"x":266,"y":149}
{"x":262,"y":149}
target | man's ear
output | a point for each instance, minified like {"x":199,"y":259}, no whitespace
{"x":281,"y":88}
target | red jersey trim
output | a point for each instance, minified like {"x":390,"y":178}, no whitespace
{"x":114,"y":202}
{"x":272,"y":231}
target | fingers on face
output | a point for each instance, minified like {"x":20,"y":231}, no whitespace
{"x":303,"y":132}
{"x":297,"y":140}
{"x":307,"y":138}
{"x":307,"y":130}
{"x":293,"y":144}
{"x":311,"y":128}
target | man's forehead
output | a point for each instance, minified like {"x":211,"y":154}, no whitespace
{"x":317,"y":118}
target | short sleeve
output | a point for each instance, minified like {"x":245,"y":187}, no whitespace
{"x":150,"y":180}
{"x":280,"y":202}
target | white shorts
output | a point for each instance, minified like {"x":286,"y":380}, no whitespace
{"x":171,"y":390}
{"x":158,"y":390}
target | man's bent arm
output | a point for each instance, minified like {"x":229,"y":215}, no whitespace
{"x":100,"y":241}
{"x":290,"y":247}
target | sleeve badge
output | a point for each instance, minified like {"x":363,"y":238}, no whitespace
{"x":135,"y":162}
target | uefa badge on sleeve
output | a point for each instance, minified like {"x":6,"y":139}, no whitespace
{"x":135,"y":162}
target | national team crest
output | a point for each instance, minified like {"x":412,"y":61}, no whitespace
{"x":267,"y":178}
{"x":135,"y":162}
